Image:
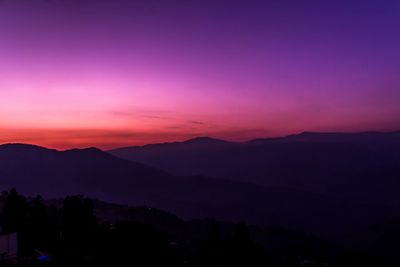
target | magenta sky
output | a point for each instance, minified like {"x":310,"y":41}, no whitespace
{"x":77,"y":73}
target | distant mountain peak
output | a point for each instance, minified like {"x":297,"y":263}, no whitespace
{"x":309,"y":133}
{"x":22,"y":146}
{"x":87,"y":149}
{"x":205,"y":139}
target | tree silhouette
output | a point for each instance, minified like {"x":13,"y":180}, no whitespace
{"x":39,"y":224}
{"x":78,"y":230}
{"x":15,"y":212}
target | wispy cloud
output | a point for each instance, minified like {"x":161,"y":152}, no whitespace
{"x":196,"y":122}
{"x":155,"y":117}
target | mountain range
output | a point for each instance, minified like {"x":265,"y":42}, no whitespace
{"x":356,"y":167}
{"x":324,"y":184}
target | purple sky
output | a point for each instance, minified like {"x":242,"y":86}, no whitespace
{"x":79,"y":73}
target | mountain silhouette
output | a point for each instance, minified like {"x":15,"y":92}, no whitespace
{"x":97,"y":174}
{"x":388,"y":143}
{"x":358,"y":166}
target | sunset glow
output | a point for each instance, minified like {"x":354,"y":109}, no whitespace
{"x":75,"y":74}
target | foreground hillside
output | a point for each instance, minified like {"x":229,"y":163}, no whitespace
{"x":78,"y":231}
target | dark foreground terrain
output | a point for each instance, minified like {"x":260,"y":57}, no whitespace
{"x":304,"y":200}
{"x":78,"y":231}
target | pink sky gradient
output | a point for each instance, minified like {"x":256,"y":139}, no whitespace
{"x":116,"y":73}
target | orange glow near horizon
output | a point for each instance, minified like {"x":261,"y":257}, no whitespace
{"x":119,"y":73}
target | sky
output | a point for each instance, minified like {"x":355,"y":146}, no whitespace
{"x":111,"y":73}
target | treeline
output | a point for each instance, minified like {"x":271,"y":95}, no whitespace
{"x":69,"y":234}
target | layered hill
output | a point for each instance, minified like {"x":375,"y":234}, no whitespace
{"x":358,"y":166}
{"x":97,"y":174}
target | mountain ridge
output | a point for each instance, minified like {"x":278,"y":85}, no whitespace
{"x":345,"y":165}
{"x":301,"y":134}
{"x":97,"y":174}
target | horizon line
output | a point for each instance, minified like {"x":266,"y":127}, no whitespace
{"x":205,"y":137}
